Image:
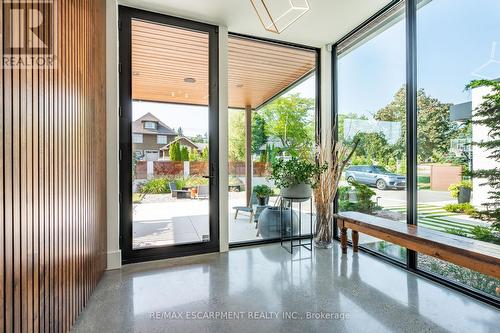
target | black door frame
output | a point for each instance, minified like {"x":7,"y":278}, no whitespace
{"x":411,"y":7}
{"x":126,"y":15}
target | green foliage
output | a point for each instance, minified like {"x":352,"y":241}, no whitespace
{"x":155,"y":186}
{"x":363,"y":198}
{"x":286,"y":173}
{"x":174,"y":151}
{"x":291,"y":120}
{"x":455,"y":231}
{"x":435,"y":129}
{"x":160,"y":185}
{"x":194,"y":155}
{"x":465,"y":208}
{"x":204,"y":154}
{"x":184,"y":154}
{"x":259,"y":134}
{"x":236,"y":136}
{"x":374,"y":148}
{"x":198,"y":138}
{"x":485,"y":234}
{"x":455,"y":188}
{"x":262,"y":191}
{"x":488,"y":115}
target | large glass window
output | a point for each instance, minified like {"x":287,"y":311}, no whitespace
{"x":272,"y":100}
{"x":456,"y":44}
{"x":372,"y":110}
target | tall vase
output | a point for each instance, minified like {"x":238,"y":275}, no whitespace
{"x":324,"y":229}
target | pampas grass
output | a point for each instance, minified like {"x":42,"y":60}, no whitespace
{"x":335,"y":156}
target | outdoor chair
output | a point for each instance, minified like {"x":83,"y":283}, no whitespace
{"x":179,"y":194}
{"x":249,"y":207}
{"x":202,"y":192}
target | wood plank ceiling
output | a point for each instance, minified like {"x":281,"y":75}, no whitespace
{"x":170,"y":65}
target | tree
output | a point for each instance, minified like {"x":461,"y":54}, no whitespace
{"x":204,"y":154}
{"x":236,"y":136}
{"x":435,"y":129}
{"x":374,"y":147}
{"x":180,"y":132}
{"x":488,"y":115}
{"x":259,"y":135}
{"x":194,"y":155}
{"x":184,"y":154}
{"x":198,"y":138}
{"x":174,"y":151}
{"x":291,"y":120}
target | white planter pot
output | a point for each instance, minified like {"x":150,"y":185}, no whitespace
{"x":299,"y":191}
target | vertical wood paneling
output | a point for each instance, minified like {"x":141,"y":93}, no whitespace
{"x":52,"y":171}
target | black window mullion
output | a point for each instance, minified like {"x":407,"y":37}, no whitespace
{"x":411,"y":122}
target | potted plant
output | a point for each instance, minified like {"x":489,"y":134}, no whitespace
{"x":262,"y":192}
{"x":295,"y":177}
{"x":461,"y":191}
{"x":334,"y":156}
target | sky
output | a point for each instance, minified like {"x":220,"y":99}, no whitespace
{"x":454,"y":39}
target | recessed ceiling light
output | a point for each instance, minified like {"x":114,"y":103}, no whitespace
{"x":190,"y":80}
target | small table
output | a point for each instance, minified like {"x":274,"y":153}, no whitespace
{"x":284,"y":238}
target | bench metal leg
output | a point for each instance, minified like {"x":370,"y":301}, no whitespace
{"x":355,"y":241}
{"x":343,"y":239}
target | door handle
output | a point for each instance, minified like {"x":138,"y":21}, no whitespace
{"x":208,"y":177}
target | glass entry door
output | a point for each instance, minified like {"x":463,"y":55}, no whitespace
{"x":168,"y":136}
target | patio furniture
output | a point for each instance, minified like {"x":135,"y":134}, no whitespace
{"x":179,"y":194}
{"x":248,"y":208}
{"x":202,"y":192}
{"x":477,"y":255}
{"x":289,"y":230}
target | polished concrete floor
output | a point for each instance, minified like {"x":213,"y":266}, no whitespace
{"x":265,"y":289}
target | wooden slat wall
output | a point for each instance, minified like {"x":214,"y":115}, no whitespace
{"x":52,"y":175}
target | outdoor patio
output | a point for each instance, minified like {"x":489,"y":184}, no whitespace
{"x":161,"y":220}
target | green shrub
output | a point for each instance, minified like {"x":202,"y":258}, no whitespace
{"x":155,"y":186}
{"x":465,"y":208}
{"x":286,"y":173}
{"x":184,"y":153}
{"x":191,"y":181}
{"x":364,"y":196}
{"x":262,"y":191}
{"x":455,"y":188}
{"x":485,"y":234}
{"x":160,"y":185}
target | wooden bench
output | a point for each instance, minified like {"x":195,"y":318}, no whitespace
{"x":477,"y":255}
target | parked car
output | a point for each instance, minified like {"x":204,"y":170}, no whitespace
{"x":374,"y":175}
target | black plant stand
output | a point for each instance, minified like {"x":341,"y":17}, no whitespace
{"x":305,"y":241}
